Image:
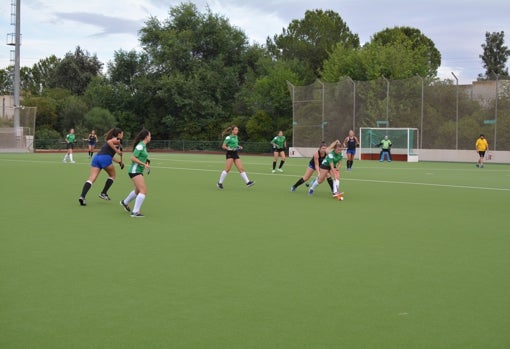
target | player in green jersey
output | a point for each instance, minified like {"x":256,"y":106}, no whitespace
{"x":330,"y":165}
{"x":232,"y":147}
{"x":279,"y":144}
{"x":70,"y":139}
{"x":140,"y":163}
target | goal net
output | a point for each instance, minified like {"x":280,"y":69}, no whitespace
{"x":404,"y":143}
{"x":17,"y":139}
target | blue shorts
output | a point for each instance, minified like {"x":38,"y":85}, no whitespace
{"x":312,"y":166}
{"x":351,"y":151}
{"x":101,"y":161}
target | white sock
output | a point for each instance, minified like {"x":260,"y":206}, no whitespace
{"x":336,"y":185}
{"x":131,"y":196}
{"x":314,"y":184}
{"x":71,"y":157}
{"x":223,"y":176}
{"x":65,"y":157}
{"x":138,"y":203}
{"x":244,"y":176}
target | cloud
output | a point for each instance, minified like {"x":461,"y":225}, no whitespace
{"x":107,"y":25}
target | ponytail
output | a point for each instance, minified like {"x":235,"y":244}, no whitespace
{"x":139,"y":137}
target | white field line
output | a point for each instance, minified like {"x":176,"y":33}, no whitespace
{"x":218,"y":170}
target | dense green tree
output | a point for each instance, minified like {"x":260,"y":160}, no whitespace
{"x":397,"y":53}
{"x":197,"y":67}
{"x":100,"y":120}
{"x":5,"y":81}
{"x":311,"y":39}
{"x":72,"y":112}
{"x":495,"y":55}
{"x":423,"y":49}
{"x":46,"y":111}
{"x":75,"y":71}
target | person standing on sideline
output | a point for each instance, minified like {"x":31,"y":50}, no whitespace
{"x":385,"y":145}
{"x":330,"y":165}
{"x":104,"y":160}
{"x":140,"y":162}
{"x":481,"y":146}
{"x":350,"y":144}
{"x":70,"y":139}
{"x":232,"y":147}
{"x":279,"y":144}
{"x":92,"y":140}
{"x":313,"y":165}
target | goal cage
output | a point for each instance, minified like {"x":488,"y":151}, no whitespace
{"x":15,"y":138}
{"x":404,"y":143}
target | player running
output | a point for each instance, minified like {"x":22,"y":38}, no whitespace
{"x":140,"y":162}
{"x":232,"y":147}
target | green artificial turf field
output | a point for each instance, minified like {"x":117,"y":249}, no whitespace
{"x":415,"y":257}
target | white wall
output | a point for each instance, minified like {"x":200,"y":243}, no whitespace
{"x":429,"y":155}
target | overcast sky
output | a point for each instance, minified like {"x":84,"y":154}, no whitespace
{"x":102,"y":27}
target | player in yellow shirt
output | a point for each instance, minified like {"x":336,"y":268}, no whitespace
{"x":481,"y":146}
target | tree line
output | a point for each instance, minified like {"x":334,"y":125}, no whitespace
{"x":197,"y":74}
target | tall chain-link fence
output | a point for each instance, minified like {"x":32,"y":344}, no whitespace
{"x":447,"y":115}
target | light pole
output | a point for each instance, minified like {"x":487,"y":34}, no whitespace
{"x":421,"y":113}
{"x":387,"y":100}
{"x":323,"y":98}
{"x":353,"y":104}
{"x":456,"y":114}
{"x":496,"y":111}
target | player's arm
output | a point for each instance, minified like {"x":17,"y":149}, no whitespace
{"x":316,"y":161}
{"x":332,"y":145}
{"x":357,"y":141}
{"x":273,"y":144}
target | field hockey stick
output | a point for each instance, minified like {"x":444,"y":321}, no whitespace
{"x":121,"y":163}
{"x":148,"y":169}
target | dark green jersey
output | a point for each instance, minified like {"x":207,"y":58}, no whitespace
{"x":141,"y":154}
{"x":231,"y":142}
{"x":279,"y":141}
{"x":70,"y":138}
{"x":332,"y":158}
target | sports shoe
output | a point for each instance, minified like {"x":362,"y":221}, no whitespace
{"x":137,"y":215}
{"x":250,"y":183}
{"x":126,"y":207}
{"x":219,"y":185}
{"x":280,"y":170}
{"x":73,"y":162}
{"x":293,"y":189}
{"x":82,"y":201}
{"x":339,"y":196}
{"x":273,"y":171}
{"x":477,"y":165}
{"x":104,"y":196}
{"x":310,"y":192}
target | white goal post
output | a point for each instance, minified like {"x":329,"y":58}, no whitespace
{"x":404,"y":143}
